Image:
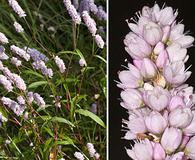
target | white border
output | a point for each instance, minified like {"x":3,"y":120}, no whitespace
{"x":107,"y":84}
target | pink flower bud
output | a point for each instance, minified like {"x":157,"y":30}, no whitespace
{"x":171,"y":139}
{"x":134,"y":27}
{"x":136,"y":46}
{"x":176,"y":53}
{"x":146,"y":11}
{"x":175,"y":73}
{"x":190,"y":148}
{"x":159,"y":152}
{"x":167,"y":16}
{"x":162,"y":59}
{"x":157,"y":99}
{"x":180,"y":117}
{"x":166,"y":33}
{"x":3,"y":38}
{"x":152,"y":33}
{"x":190,"y":130}
{"x":176,"y":156}
{"x":156,"y":11}
{"x":140,"y":150}
{"x":148,"y":68}
{"x":155,"y":123}
{"x":176,"y":101}
{"x":138,"y":28}
{"x":137,"y":125}
{"x":159,"y":48}
{"x":131,"y":78}
{"x":137,"y":63}
{"x":132,"y":99}
{"x":185,"y":41}
{"x":176,"y":31}
{"x":184,"y":141}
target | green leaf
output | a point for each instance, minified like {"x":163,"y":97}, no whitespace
{"x":62,"y":120}
{"x":67,"y":52}
{"x":79,"y":53}
{"x":48,"y":130}
{"x":76,"y":52}
{"x":47,"y":145}
{"x":31,"y":72}
{"x":92,"y":116}
{"x":66,"y":140}
{"x":36,"y":84}
{"x":101,"y":58}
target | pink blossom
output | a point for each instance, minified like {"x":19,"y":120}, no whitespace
{"x":3,"y":38}
{"x":159,"y":152}
{"x":16,"y":7}
{"x":140,"y":150}
{"x":99,"y":41}
{"x":171,"y":139}
{"x":175,"y":102}
{"x":190,"y":148}
{"x":157,"y":99}
{"x":136,"y":46}
{"x":131,"y":103}
{"x":149,"y":69}
{"x":60,"y":63}
{"x":90,"y":23}
{"x":152,"y":33}
{"x":131,"y":78}
{"x":175,"y":73}
{"x":180,"y":117}
{"x":176,"y":52}
{"x":190,"y":129}
{"x":155,"y":123}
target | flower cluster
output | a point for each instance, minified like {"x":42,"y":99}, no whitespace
{"x":18,"y":27}
{"x":36,"y":55}
{"x":6,"y":83}
{"x":21,"y":52}
{"x":16,"y":7}
{"x":72,"y":11}
{"x":3,"y":55}
{"x":36,"y":98}
{"x":13,"y":78}
{"x":2,"y":118}
{"x":160,"y":106}
{"x":39,"y":60}
{"x":60,"y":64}
{"x":40,"y":65}
{"x":91,"y":150}
{"x":79,"y":156}
{"x":90,"y":23}
{"x":13,"y":105}
{"x":85,"y":7}
{"x":90,"y":6}
{"x":3,"y":38}
{"x":16,"y":61}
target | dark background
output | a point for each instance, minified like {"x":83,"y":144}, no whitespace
{"x":119,"y":11}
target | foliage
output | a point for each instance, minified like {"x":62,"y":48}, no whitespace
{"x":54,"y":131}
